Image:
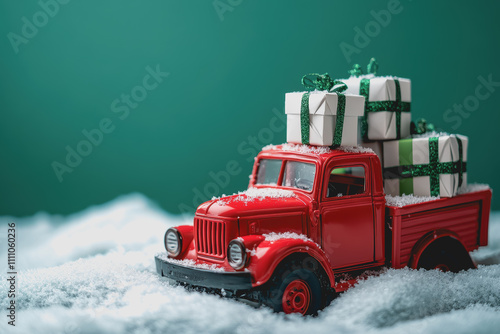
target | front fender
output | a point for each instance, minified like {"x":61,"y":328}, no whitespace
{"x":265,"y":255}
{"x":186,"y":232}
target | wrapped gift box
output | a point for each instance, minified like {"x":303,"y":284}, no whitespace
{"x":377,"y":147}
{"x":425,"y":165}
{"x":323,"y":118}
{"x":387,"y":108}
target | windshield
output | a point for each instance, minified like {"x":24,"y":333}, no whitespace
{"x":296,"y":174}
{"x":269,"y":171}
{"x":299,"y":175}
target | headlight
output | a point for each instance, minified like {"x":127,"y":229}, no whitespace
{"x":236,"y":254}
{"x":173,"y":242}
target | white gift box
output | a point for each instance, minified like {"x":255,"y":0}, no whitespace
{"x":377,"y":147}
{"x":323,"y":117}
{"x":442,"y":168}
{"x":382,"y":123}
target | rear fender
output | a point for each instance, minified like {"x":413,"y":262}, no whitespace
{"x":265,"y":255}
{"x":426,"y":241}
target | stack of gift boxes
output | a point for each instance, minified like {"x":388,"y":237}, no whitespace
{"x":374,"y":111}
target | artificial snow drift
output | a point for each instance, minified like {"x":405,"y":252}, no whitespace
{"x":93,"y":272}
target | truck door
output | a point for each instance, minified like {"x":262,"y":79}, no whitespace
{"x":347,"y":212}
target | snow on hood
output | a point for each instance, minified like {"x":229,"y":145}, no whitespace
{"x":273,"y":236}
{"x":253,"y":194}
{"x":252,"y":201}
{"x":107,"y":283}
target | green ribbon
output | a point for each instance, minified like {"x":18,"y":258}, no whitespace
{"x":316,"y":81}
{"x":433,"y":169}
{"x":372,"y":66}
{"x":396,"y":106}
{"x":339,"y":123}
{"x":304,"y":118}
{"x":461,"y":166}
{"x":364,"y":90}
{"x":420,"y":127}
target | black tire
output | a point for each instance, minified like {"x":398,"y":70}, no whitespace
{"x":305,"y":271}
{"x":441,"y":258}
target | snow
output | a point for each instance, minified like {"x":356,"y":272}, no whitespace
{"x":401,"y":201}
{"x":94,"y":272}
{"x":263,"y":193}
{"x":190,"y":263}
{"x":356,"y":149}
{"x":370,"y":76}
{"x":252,"y":194}
{"x":431,"y":134}
{"x":306,"y":149}
{"x":318,"y":150}
{"x":129,"y":222}
{"x":405,"y":200}
{"x":365,"y":76}
{"x":473,"y":187}
{"x":273,"y":236}
{"x":323,"y":92}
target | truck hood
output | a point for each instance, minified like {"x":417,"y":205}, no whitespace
{"x":255,"y":201}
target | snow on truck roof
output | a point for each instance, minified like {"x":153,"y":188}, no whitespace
{"x":315,"y":150}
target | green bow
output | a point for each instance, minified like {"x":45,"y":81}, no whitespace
{"x":371,"y":68}
{"x":421,"y":127}
{"x":356,"y":71}
{"x":317,"y":81}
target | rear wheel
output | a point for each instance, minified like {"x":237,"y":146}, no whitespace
{"x":297,"y":286}
{"x":446,"y":255}
{"x":441,"y":260}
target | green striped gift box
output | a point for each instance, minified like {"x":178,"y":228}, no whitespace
{"x":425,"y":166}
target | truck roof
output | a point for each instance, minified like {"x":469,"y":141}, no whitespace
{"x":316,"y":151}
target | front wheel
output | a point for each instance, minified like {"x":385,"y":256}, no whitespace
{"x":296,"y":287}
{"x":296,"y":297}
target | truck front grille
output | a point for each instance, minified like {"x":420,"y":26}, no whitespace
{"x":210,"y":237}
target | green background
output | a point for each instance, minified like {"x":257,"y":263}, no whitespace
{"x":226,"y":77}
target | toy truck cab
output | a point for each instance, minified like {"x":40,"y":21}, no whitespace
{"x":310,"y":217}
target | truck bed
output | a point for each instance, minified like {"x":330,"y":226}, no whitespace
{"x":465,"y":215}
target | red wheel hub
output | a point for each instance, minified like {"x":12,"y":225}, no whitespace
{"x":296,"y":297}
{"x":442,"y":267}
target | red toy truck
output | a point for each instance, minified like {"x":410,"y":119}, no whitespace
{"x":312,"y":221}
